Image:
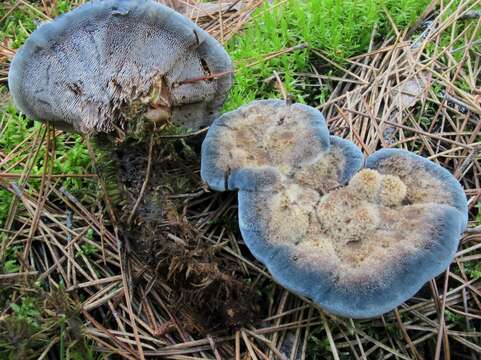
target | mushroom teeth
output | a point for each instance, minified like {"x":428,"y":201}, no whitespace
{"x":107,"y":61}
{"x":352,"y":239}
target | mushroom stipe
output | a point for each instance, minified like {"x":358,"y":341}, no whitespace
{"x":357,"y":240}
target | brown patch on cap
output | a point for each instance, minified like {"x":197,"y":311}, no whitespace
{"x":358,"y":233}
{"x":267,"y":135}
{"x":421,"y":185}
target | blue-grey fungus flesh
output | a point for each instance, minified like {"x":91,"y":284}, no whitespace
{"x":106,"y":62}
{"x":358,"y":239}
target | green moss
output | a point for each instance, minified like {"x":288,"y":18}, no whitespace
{"x":71,"y":155}
{"x":18,"y":25}
{"x":339,"y":28}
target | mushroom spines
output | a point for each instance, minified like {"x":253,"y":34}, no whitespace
{"x":425,"y":180}
{"x":344,"y":219}
{"x":364,"y":219}
{"x":263,"y":134}
{"x":366,"y":183}
{"x":91,"y":68}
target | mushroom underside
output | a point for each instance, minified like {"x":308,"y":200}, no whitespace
{"x":113,"y":63}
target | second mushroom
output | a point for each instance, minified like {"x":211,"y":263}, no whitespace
{"x":358,"y":240}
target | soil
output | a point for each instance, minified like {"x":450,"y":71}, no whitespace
{"x":208,"y":292}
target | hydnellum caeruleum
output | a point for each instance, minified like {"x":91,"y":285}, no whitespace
{"x":357,"y":239}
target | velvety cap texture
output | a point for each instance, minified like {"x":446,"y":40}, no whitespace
{"x":358,"y":240}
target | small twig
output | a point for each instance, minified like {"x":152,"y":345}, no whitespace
{"x":203,"y":78}
{"x":146,"y":180}
{"x":282,"y":88}
{"x":180,"y":136}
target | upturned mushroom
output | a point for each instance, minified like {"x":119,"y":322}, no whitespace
{"x":122,"y":72}
{"x":111,"y":62}
{"x":357,"y":241}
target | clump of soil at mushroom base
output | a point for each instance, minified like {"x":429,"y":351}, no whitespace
{"x":208,"y":292}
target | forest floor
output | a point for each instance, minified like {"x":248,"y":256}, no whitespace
{"x":385,"y":73}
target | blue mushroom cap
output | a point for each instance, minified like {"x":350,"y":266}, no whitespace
{"x":352,"y":155}
{"x":300,"y":270}
{"x":86,"y":68}
{"x":358,"y":241}
{"x":369,"y":297}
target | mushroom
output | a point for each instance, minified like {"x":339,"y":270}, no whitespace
{"x":109,"y":62}
{"x":357,"y":241}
